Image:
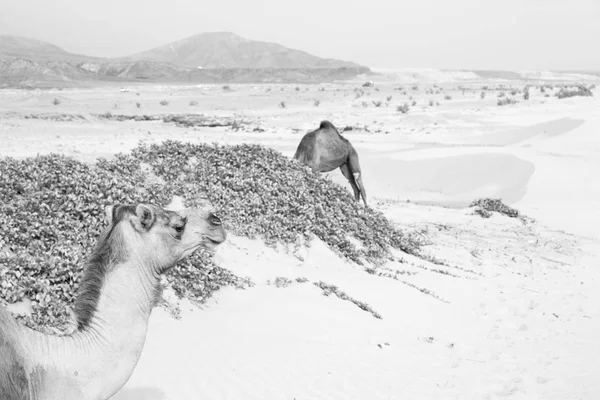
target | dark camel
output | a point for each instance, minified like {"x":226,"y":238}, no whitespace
{"x":325,"y":149}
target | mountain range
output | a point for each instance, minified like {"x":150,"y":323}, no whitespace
{"x":202,"y":58}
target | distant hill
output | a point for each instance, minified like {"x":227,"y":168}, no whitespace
{"x":228,"y":50}
{"x":225,"y":57}
{"x":12,"y":47}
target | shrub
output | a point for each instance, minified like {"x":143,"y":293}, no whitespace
{"x":526,"y":95}
{"x":507,"y":100}
{"x":227,"y":88}
{"x":51,"y":213}
{"x":377,"y":103}
{"x":447,"y":97}
{"x":164,"y":103}
{"x":482,"y":95}
{"x":577,"y":91}
{"x":494,"y":205}
{"x":431,"y":103}
{"x":414,"y":103}
{"x":403,"y":108}
{"x":316,"y":103}
{"x":282,"y":104}
{"x":388,"y":99}
{"x":138,"y":104}
{"x":193,"y":103}
{"x":56,"y":101}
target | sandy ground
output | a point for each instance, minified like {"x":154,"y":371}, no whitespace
{"x":516,"y":315}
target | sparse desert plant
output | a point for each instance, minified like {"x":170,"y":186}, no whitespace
{"x":193,"y":103}
{"x":482,"y":95}
{"x":580,"y":90}
{"x":164,"y":103}
{"x":377,"y":103}
{"x":415,"y":87}
{"x":495,"y":205}
{"x":414,"y":103}
{"x":542,"y":89}
{"x":501,"y":94}
{"x":56,"y":101}
{"x":507,"y":100}
{"x":321,"y":89}
{"x":437,"y":103}
{"x":431,"y":103}
{"x":514,"y":92}
{"x":526,"y":95}
{"x":281,"y":282}
{"x":447,"y":97}
{"x":329,"y":289}
{"x":316,"y":103}
{"x":403,"y":108}
{"x":138,"y":104}
{"x":485,"y":88}
{"x":365,"y":104}
{"x":226,"y":88}
{"x":388,"y":99}
{"x":297,"y":88}
{"x":282,"y":104}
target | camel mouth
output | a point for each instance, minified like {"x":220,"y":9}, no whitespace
{"x":211,"y":243}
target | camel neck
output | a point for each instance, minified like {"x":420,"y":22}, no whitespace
{"x":97,"y":360}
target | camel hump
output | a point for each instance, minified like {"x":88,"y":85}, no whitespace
{"x":327,"y":125}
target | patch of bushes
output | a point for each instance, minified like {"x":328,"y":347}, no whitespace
{"x":506,"y":100}
{"x":573,"y":92}
{"x":52,"y":211}
{"x":494,"y":205}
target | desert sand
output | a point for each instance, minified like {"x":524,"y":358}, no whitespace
{"x":517,"y":313}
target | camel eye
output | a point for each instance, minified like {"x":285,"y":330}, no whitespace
{"x":179,"y":229}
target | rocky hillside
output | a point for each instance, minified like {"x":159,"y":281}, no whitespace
{"x":224,"y":57}
{"x":228,"y":50}
{"x":12,"y":47}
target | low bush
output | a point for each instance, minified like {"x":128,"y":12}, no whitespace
{"x":52,"y":210}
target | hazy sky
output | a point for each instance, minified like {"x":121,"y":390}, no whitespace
{"x":478,"y":34}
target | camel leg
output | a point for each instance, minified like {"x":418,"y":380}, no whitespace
{"x":346,"y":171}
{"x":354,"y":167}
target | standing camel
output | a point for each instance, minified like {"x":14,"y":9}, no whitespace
{"x":119,"y":288}
{"x":325,"y":149}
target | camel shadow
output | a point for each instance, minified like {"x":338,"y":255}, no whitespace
{"x":146,"y":393}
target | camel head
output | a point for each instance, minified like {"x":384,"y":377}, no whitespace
{"x":160,"y":238}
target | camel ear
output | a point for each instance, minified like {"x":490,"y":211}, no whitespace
{"x":108,"y":213}
{"x":144,"y":218}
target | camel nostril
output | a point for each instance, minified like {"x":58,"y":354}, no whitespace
{"x":214,"y":220}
